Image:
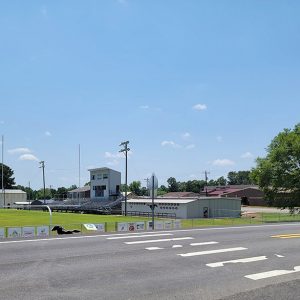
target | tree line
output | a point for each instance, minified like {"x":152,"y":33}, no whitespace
{"x":277,"y":174}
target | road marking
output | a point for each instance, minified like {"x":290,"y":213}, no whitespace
{"x":177,"y":246}
{"x":212,"y":251}
{"x":287,"y":236}
{"x":153,"y":248}
{"x":278,"y":255}
{"x":273,"y":273}
{"x":157,"y":241}
{"x":137,"y":236}
{"x":204,"y":243}
{"x":242,"y":260}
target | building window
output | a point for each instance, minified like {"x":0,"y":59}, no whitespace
{"x":99,"y":176}
{"x":93,"y":177}
{"x":99,"y":190}
{"x":105,"y":176}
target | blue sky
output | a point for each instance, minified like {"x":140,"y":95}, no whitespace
{"x":193,"y":85}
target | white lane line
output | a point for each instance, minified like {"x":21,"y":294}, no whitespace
{"x":204,"y":243}
{"x":153,"y":248}
{"x":177,"y":246}
{"x":273,"y":273}
{"x":242,"y":260}
{"x":278,"y":255}
{"x":157,"y":241}
{"x":137,"y":236}
{"x":212,"y":251}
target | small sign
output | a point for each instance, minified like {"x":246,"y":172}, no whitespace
{"x":131,"y":226}
{"x":14,"y":232}
{"x":149,"y":225}
{"x":100,"y":227}
{"x":2,"y":233}
{"x":168,"y":224}
{"x":159,"y":225}
{"x":42,"y":231}
{"x":28,"y":232}
{"x":122,"y":227}
{"x":176,"y":224}
{"x":90,"y":226}
{"x":140,"y":226}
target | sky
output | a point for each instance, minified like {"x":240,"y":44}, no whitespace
{"x":194,"y":86}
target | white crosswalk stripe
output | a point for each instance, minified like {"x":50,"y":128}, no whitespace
{"x":241,"y":260}
{"x":137,"y":236}
{"x":158,"y":241}
{"x":203,"y":243}
{"x":212,"y":251}
{"x":273,"y":273}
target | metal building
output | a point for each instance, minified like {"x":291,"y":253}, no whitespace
{"x":10,"y":196}
{"x":187,"y":208}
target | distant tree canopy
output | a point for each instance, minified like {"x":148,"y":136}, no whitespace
{"x":278,"y":174}
{"x":8,"y":179}
{"x":240,"y":177}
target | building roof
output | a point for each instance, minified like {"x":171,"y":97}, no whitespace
{"x":102,"y":169}
{"x":161,"y":200}
{"x":6,"y":191}
{"x":180,"y":194}
{"x":82,"y":189}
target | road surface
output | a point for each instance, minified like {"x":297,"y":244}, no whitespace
{"x":246,"y":262}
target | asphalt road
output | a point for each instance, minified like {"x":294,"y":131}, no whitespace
{"x":213,"y":263}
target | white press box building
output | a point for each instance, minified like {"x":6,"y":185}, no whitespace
{"x":105,"y":182}
{"x":187,"y":208}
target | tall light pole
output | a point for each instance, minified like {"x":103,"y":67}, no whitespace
{"x":42,"y":163}
{"x":125,"y":151}
{"x":2,"y":172}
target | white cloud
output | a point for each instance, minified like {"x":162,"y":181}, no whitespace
{"x":44,"y":11}
{"x":191,"y":146}
{"x":28,"y":157}
{"x":223,"y":162}
{"x":113,"y":156}
{"x":186,"y":135}
{"x":48,"y":133}
{"x":18,"y":151}
{"x":247,"y":155}
{"x":170,"y":144}
{"x":219,"y":139}
{"x":113,"y":162}
{"x":200,"y":107}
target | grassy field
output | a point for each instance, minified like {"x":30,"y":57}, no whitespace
{"x":12,"y":217}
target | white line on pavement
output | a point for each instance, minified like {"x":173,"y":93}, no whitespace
{"x":204,"y":243}
{"x":157,"y":241}
{"x":273,"y":273}
{"x":136,"y":236}
{"x":242,"y":260}
{"x":177,"y":246}
{"x":212,"y":251}
{"x":153,"y":248}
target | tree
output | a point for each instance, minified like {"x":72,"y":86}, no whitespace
{"x":173,"y":185}
{"x":135,"y":187}
{"x":8,"y":179}
{"x":221,"y":181}
{"x":240,"y":177}
{"x":278,"y":174}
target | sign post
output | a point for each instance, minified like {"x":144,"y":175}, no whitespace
{"x":153,"y":191}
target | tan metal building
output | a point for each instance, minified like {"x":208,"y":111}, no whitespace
{"x":9,"y":197}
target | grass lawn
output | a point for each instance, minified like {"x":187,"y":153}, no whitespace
{"x":13,"y":217}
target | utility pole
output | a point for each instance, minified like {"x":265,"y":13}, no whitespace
{"x":125,"y":151}
{"x":206,"y":179}
{"x":42,"y":163}
{"x":79,"y":202}
{"x":2,"y":172}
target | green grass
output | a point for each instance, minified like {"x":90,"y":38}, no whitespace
{"x":13,"y":217}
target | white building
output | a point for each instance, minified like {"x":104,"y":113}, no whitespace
{"x":187,"y":208}
{"x":9,"y":197}
{"x":105,"y":183}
